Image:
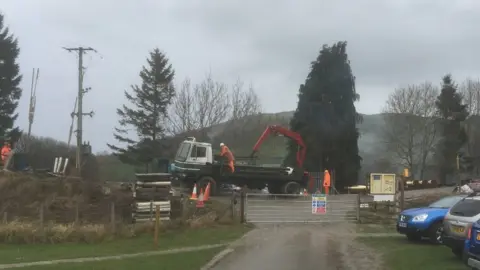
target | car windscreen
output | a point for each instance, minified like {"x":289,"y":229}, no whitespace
{"x":182,"y":152}
{"x":466,"y":208}
{"x":446,"y":202}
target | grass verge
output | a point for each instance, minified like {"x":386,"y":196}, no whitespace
{"x":399,"y":254}
{"x":192,"y":237}
{"x":376,"y":228}
{"x":184,"y":261}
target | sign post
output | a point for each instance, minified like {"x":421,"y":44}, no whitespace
{"x":319,"y":204}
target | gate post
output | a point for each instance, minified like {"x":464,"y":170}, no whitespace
{"x":242,"y":205}
{"x":358,"y":207}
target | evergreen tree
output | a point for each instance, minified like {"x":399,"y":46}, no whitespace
{"x":147,"y":112}
{"x":452,"y":113}
{"x":10,"y":78}
{"x":326,"y":117}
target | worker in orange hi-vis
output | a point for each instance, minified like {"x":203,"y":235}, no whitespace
{"x":326,"y":181}
{"x":6,"y":149}
{"x":225,"y":152}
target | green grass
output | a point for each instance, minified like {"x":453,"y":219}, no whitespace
{"x":399,"y":254}
{"x":37,"y":252}
{"x":181,"y":261}
{"x":376,"y":228}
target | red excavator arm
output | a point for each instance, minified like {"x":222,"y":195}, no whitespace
{"x":278,"y":130}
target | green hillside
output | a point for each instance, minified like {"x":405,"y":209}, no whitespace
{"x":242,"y":135}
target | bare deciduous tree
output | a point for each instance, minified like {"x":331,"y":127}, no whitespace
{"x":245,"y":106}
{"x":244,"y":103}
{"x":210,"y":103}
{"x":410,"y":131}
{"x":470,"y":90}
{"x":199,"y":106}
{"x":182,"y":110}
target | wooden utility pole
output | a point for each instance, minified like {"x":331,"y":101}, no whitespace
{"x":81,"y":91}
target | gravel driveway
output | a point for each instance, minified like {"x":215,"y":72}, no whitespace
{"x":307,"y":247}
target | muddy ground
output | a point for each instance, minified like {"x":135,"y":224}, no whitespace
{"x":307,"y":247}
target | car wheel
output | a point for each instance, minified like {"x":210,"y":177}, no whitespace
{"x":414,"y":237}
{"x":435,"y":233}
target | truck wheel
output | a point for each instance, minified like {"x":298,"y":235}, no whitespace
{"x":203,"y":182}
{"x":274,"y":189}
{"x":291,"y":188}
{"x":435,"y":233}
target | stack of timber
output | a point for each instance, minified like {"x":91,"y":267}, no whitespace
{"x":150,"y":190}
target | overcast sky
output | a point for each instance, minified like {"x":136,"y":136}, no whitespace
{"x":269,"y":43}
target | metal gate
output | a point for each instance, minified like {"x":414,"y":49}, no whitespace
{"x":272,"y":208}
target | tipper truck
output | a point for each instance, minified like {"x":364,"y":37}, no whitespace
{"x":195,"y":163}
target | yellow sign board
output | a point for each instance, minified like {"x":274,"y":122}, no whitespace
{"x":383,"y":184}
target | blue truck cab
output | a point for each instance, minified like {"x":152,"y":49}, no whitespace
{"x":427,"y":221}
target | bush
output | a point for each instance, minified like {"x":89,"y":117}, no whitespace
{"x":43,"y":150}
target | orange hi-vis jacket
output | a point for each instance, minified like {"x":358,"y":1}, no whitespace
{"x":326,"y":179}
{"x":5,"y":152}
{"x":224,"y":151}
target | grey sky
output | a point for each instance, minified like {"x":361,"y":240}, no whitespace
{"x":269,"y":43}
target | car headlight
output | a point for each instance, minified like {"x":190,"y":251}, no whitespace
{"x":420,"y":218}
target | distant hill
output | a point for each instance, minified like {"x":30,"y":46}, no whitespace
{"x":241,"y":135}
{"x":274,"y":149}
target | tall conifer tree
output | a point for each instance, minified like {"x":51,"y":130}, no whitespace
{"x":326,"y":117}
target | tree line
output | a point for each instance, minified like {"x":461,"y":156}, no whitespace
{"x":427,"y":127}
{"x":157,"y":111}
{"x":434,"y":127}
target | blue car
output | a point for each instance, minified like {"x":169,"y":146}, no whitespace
{"x":471,"y":253}
{"x":427,"y":221}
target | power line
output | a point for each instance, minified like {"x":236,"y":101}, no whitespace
{"x":81,"y":51}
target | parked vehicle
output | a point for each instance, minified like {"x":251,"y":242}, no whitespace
{"x":427,"y":221}
{"x":472,"y":246}
{"x":458,"y":221}
{"x":195,"y":162}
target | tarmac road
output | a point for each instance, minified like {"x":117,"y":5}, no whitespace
{"x":306,"y":247}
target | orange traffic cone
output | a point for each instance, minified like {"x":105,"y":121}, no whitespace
{"x":194,"y":192}
{"x":206,"y":196}
{"x":200,"y":203}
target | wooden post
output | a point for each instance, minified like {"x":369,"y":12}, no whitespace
{"x":402,"y":193}
{"x":234,"y":193}
{"x":242,"y":205}
{"x":112,"y":216}
{"x":41,"y":217}
{"x":151,"y":210}
{"x":157,"y":225}
{"x":76,"y":214}
{"x":358,"y":207}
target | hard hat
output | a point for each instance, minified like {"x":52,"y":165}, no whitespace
{"x":222,"y":144}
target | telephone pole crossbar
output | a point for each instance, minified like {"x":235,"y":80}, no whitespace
{"x":81,"y":51}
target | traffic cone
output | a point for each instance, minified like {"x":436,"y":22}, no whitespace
{"x":200,"y":203}
{"x":206,"y":196}
{"x":194,"y":192}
